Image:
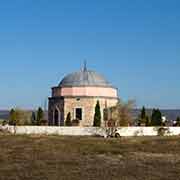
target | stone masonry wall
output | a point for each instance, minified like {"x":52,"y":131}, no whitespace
{"x":88,"y":107}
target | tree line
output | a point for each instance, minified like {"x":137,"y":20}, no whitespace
{"x":22,"y":117}
{"x":155,"y":119}
{"x":118,"y":115}
{"x":121,"y":115}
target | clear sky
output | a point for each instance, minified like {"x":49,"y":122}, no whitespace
{"x":134,"y":43}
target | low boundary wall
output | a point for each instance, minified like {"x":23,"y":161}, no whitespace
{"x":89,"y":131}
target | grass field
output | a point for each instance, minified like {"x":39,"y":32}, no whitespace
{"x":88,"y":158}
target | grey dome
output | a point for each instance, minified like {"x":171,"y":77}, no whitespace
{"x":84,"y":78}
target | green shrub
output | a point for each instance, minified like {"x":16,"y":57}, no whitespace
{"x":75,"y":122}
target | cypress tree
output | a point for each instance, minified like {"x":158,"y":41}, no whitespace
{"x":178,"y":121}
{"x":143,"y":116}
{"x":68,"y":120}
{"x":12,"y":117}
{"x":143,"y":113}
{"x":97,"y":115}
{"x":148,"y":121}
{"x":156,"y":118}
{"x":40,"y":115}
{"x":33,"y":118}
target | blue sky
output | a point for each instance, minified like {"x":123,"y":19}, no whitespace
{"x":134,"y":43}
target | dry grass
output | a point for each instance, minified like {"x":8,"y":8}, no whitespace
{"x":87,"y":158}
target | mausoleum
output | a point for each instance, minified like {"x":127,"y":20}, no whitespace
{"x":78,"y":94}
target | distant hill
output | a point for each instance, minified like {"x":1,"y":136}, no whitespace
{"x":4,"y":114}
{"x":171,"y":114}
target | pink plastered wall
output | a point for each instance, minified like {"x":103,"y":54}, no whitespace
{"x":86,"y":91}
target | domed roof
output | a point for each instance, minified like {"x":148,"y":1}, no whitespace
{"x":84,"y":78}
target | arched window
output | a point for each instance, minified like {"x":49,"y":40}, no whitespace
{"x":58,"y":119}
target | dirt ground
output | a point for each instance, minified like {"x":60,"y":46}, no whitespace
{"x":89,"y":158}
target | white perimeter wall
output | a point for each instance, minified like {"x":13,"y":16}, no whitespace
{"x":88,"y":131}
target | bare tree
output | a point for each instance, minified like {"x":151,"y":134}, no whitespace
{"x":118,"y":116}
